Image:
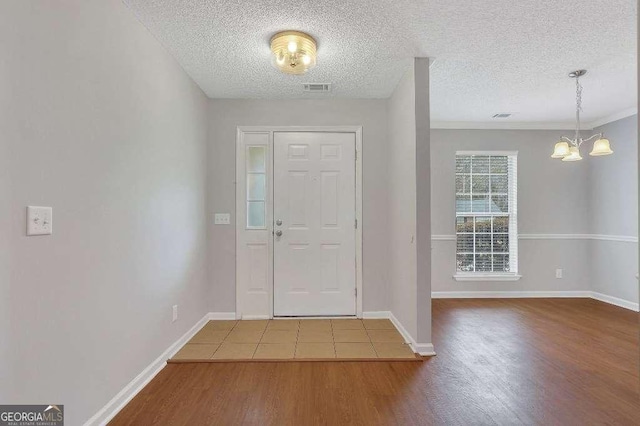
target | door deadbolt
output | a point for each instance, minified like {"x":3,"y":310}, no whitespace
{"x":278,"y":222}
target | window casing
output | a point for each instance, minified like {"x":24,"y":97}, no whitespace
{"x":486,"y":215}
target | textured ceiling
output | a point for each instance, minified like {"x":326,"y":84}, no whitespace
{"x":490,"y":56}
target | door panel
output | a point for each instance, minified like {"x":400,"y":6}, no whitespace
{"x":314,"y":198}
{"x":254,"y":262}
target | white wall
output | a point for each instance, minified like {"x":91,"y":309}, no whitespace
{"x":613,"y":211}
{"x":552,"y":199}
{"x":402,"y":203}
{"x":224,"y":118}
{"x":104,"y":126}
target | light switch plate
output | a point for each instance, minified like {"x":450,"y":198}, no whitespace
{"x":222,"y":219}
{"x":39,"y":220}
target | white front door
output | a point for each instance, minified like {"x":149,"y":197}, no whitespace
{"x":314,"y":223}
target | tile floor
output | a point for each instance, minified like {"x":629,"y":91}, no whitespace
{"x":288,"y":339}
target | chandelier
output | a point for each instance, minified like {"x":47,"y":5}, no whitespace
{"x":293,"y":52}
{"x":569,"y":149}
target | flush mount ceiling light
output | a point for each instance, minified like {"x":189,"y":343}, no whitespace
{"x":293,"y":52}
{"x":569,"y":149}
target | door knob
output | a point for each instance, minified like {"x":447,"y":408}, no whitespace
{"x":278,"y":222}
{"x":278,"y":233}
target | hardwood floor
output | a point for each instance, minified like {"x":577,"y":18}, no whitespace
{"x":506,"y":362}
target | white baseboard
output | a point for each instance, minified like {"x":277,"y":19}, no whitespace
{"x":253,"y":317}
{"x":505,"y":294}
{"x":616,"y":301}
{"x":424,"y":349}
{"x":123,"y":397}
{"x":535,"y":294}
{"x":221,"y":316}
{"x":376,"y":314}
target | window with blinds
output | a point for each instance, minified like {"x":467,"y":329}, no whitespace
{"x":486,"y":213}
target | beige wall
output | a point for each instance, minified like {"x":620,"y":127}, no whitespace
{"x":224,"y":118}
{"x":100,"y":123}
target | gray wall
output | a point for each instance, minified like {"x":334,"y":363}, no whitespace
{"x":613,"y":211}
{"x":5,"y":226}
{"x":613,"y":182}
{"x":552,"y":199}
{"x":423,"y":198}
{"x":226,"y":115}
{"x":402,"y":203}
{"x":104,"y":126}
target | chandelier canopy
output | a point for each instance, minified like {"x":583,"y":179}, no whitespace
{"x":568,"y":149}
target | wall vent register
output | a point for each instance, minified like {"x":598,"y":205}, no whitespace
{"x":316,"y":87}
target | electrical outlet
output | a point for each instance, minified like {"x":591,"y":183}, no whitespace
{"x":222,"y":219}
{"x":175,"y":313}
{"x":558,"y":273}
{"x":39,"y":220}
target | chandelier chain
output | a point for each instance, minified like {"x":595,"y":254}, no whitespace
{"x":578,"y":94}
{"x":578,"y":110}
{"x":569,"y":149}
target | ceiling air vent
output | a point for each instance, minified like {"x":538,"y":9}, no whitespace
{"x":317,"y":87}
{"x":502,"y":115}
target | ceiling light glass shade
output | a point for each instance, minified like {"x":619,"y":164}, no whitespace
{"x":601,"y":147}
{"x":561,"y":150}
{"x":574,"y":154}
{"x":293,"y":52}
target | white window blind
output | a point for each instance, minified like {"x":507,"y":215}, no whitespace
{"x":486,"y":213}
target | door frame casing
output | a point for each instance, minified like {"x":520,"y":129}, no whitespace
{"x":261,"y":305}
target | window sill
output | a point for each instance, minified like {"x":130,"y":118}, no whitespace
{"x":486,"y":277}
